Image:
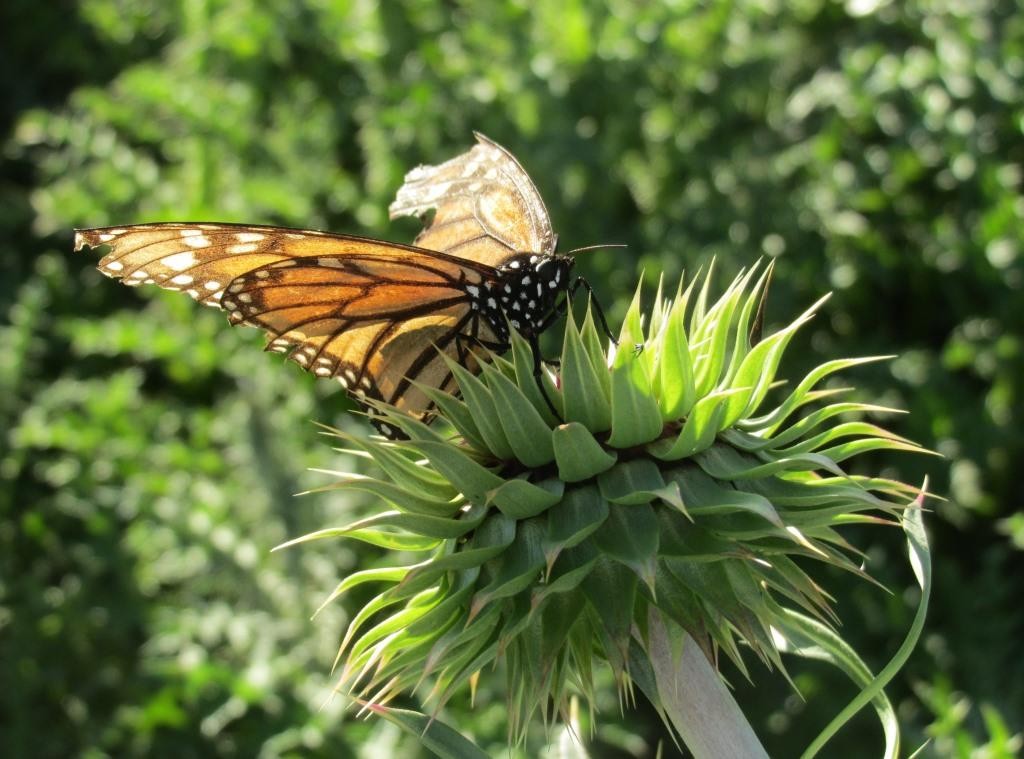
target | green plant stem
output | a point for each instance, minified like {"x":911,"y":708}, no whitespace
{"x":695,"y":699}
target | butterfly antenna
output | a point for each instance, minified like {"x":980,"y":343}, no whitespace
{"x":574,"y":251}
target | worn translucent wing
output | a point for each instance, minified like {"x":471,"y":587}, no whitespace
{"x":487,"y":207}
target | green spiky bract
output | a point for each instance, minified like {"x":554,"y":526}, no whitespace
{"x":670,"y":486}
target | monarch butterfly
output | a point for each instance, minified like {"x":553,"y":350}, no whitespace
{"x":377,"y":316}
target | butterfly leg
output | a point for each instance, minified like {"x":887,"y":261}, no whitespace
{"x":581,"y":282}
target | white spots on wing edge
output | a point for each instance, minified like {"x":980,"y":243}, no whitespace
{"x":179,"y":261}
{"x":242,"y":248}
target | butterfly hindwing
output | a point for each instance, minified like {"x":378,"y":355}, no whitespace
{"x":366,"y":320}
{"x":487,"y":207}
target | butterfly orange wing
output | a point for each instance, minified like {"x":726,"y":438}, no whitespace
{"x":370,"y":313}
{"x":487,"y":207}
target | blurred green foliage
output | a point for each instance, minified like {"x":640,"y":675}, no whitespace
{"x":148,"y":453}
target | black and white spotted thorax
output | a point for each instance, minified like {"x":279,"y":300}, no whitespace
{"x":524,"y":295}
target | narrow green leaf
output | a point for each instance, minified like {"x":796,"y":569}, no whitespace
{"x":810,"y":639}
{"x":396,"y":541}
{"x":862,"y":430}
{"x":632,"y":332}
{"x":610,"y":588}
{"x":701,"y":303}
{"x":636,"y":418}
{"x":482,"y":408}
{"x":704,"y":496}
{"x":699,"y":430}
{"x":713,"y":351}
{"x":429,"y":626}
{"x":517,"y":568}
{"x":471,"y":479}
{"x":631,"y":482}
{"x":430,"y":527}
{"x":381,"y":574}
{"x":413,"y":428}
{"x":582,"y":390}
{"x":593,"y":343}
{"x":525,"y":429}
{"x":572,"y":567}
{"x":759,"y":367}
{"x":558,"y":619}
{"x":489,"y":540}
{"x":727,"y":464}
{"x":843,"y":451}
{"x":674,"y":380}
{"x":751,"y":298}
{"x":396,"y":496}
{"x":457,"y":413}
{"x":397,"y":622}
{"x":801,"y":395}
{"x":392,"y":458}
{"x":476,"y":630}
{"x":804,"y":426}
{"x":522,"y":357}
{"x":682,"y":538}
{"x":581,"y":511}
{"x":431,"y":732}
{"x":630,"y":536}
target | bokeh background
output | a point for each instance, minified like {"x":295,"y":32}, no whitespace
{"x":149,"y":454}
